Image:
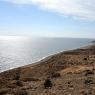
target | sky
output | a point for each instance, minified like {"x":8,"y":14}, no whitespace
{"x":48,"y":18}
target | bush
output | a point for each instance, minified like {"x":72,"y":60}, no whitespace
{"x":89,"y":72}
{"x":88,"y":81}
{"x":85,"y":59}
{"x":17,"y":76}
{"x":47,"y":83}
{"x":19,"y":83}
{"x":21,"y":92}
{"x":55,"y":75}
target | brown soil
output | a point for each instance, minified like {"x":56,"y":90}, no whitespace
{"x":70,"y":72}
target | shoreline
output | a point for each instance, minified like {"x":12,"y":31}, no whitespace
{"x":70,"y":72}
{"x":21,"y":62}
{"x":49,"y":57}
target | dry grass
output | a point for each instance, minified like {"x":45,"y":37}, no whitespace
{"x":77,"y":69}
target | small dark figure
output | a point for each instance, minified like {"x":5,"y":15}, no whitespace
{"x":47,"y":84}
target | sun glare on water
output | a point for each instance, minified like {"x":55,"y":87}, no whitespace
{"x":12,"y":38}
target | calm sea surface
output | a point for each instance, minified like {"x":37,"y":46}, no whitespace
{"x":19,"y":51}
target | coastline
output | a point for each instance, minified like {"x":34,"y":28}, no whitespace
{"x":49,"y":57}
{"x":23,"y":55}
{"x":61,"y":68}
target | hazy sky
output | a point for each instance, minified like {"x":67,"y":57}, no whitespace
{"x":51,"y":18}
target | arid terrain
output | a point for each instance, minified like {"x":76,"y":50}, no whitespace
{"x":66,"y":73}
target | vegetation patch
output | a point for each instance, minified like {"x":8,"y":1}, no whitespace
{"x":21,"y":92}
{"x":47,"y":83}
{"x":55,"y":75}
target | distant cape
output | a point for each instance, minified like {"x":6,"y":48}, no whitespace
{"x":93,"y":41}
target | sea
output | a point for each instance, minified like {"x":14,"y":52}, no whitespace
{"x":16,"y":51}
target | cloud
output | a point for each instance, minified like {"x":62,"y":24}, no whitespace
{"x":78,"y":9}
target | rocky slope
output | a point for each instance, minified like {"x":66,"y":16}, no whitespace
{"x":67,"y":73}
